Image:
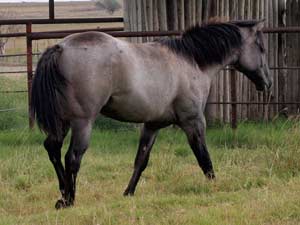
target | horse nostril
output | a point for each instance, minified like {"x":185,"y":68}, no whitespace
{"x":270,"y":85}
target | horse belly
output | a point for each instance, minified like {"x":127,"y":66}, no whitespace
{"x":131,"y":109}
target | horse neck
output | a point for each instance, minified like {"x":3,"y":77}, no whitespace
{"x":214,"y":69}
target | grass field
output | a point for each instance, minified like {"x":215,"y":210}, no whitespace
{"x":257,"y":168}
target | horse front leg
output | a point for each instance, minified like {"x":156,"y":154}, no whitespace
{"x":147,"y":140}
{"x":195,"y":132}
{"x":81,"y":131}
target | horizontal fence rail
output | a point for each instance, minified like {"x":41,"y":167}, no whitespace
{"x":62,"y":21}
{"x":16,"y":55}
{"x":255,"y":103}
{"x":8,"y":110}
{"x":8,"y":92}
{"x":118,"y":32}
{"x":12,"y":72}
{"x":53,"y":35}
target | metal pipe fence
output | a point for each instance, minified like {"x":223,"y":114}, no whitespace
{"x":118,"y":32}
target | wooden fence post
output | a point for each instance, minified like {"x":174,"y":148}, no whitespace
{"x":233,"y":94}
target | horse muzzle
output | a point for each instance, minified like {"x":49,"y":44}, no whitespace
{"x":266,"y":80}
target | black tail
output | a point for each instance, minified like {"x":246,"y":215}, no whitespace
{"x":47,"y":89}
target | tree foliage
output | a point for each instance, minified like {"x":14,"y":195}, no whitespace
{"x":108,"y":5}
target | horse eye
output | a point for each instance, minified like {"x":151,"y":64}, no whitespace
{"x":257,"y":41}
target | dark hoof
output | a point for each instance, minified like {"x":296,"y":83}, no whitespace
{"x":60,"y":204}
{"x":128,"y":193}
{"x":210,"y":175}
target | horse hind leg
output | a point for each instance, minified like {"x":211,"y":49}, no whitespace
{"x":81,"y":130}
{"x":53,"y":147}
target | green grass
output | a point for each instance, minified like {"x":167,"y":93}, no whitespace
{"x":256,"y":183}
{"x":17,"y":102}
{"x":257,"y":168}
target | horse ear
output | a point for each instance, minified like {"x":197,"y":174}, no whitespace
{"x":259,"y":25}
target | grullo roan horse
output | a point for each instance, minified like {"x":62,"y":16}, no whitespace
{"x":158,"y":83}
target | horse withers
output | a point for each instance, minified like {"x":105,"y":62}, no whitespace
{"x":157,"y":84}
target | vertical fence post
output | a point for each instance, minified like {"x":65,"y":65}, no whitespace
{"x":233,"y":99}
{"x":51,"y":9}
{"x":29,"y":71}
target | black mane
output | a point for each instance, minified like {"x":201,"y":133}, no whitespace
{"x":207,"y":44}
